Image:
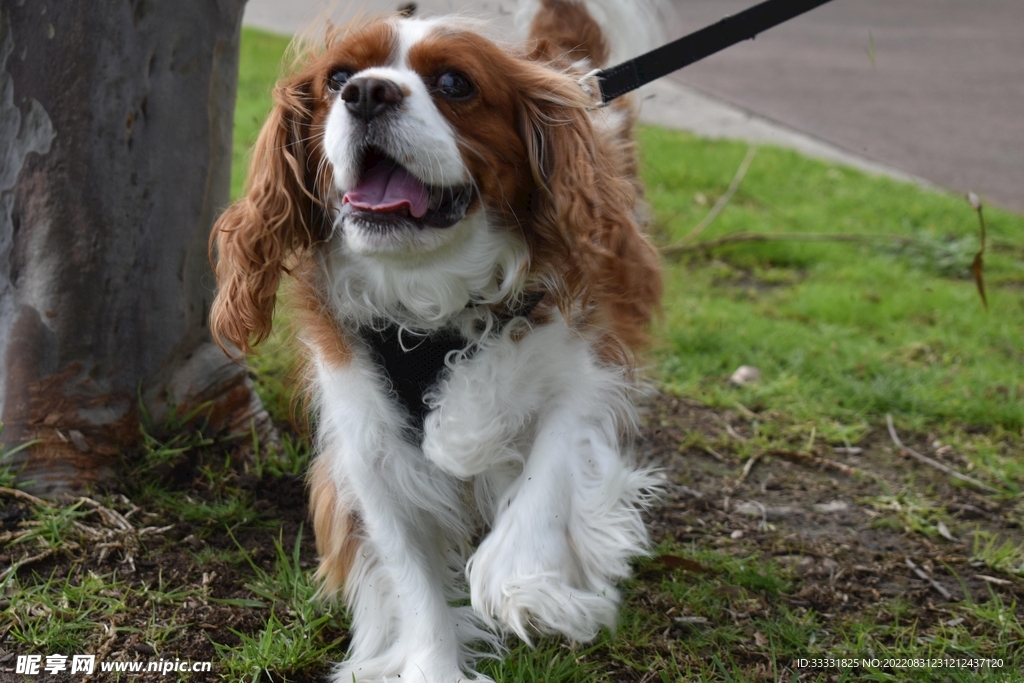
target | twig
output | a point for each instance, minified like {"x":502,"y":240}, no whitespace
{"x":112,"y":517}
{"x":706,"y":245}
{"x":733,"y":433}
{"x":734,"y":185}
{"x":922,"y":574}
{"x":26,"y":560}
{"x":28,"y":497}
{"x":978,"y":265}
{"x":92,"y":533}
{"x":714,"y":454}
{"x":649,"y":675}
{"x":749,"y":465}
{"x":745,"y":410}
{"x":920,"y":457}
{"x":104,"y":648}
{"x":724,"y":200}
{"x":993,"y":579}
{"x":764,"y":514}
{"x":794,"y":456}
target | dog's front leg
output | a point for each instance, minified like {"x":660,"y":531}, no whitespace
{"x":411,"y":523}
{"x":565,"y":528}
{"x":490,"y":401}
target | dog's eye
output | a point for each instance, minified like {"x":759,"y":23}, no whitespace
{"x":454,"y":86}
{"x":337,"y":80}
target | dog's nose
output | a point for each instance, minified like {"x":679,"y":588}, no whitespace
{"x":370,"y":97}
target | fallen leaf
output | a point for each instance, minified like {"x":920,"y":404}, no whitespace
{"x":676,"y":562}
{"x":730,"y":591}
{"x":944,"y":531}
{"x":745,"y":375}
{"x":78,"y":439}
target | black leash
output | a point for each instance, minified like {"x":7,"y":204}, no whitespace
{"x":413,"y":362}
{"x":628,"y":76}
{"x":414,"y":369}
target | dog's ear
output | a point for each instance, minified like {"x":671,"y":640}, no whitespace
{"x":585,"y":212}
{"x":278,"y":217}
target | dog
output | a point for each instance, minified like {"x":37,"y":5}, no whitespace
{"x":463,"y":229}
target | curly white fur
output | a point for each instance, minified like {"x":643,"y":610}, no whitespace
{"x":536,"y":425}
{"x":528,"y":436}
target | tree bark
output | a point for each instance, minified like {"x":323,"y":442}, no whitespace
{"x":115,"y":135}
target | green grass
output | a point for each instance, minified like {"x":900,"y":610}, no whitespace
{"x":842,"y":333}
{"x":262,"y":55}
{"x":295,"y":637}
{"x":735,"y":623}
{"x":71,"y":613}
{"x":258,"y":69}
{"x":1005,"y":556}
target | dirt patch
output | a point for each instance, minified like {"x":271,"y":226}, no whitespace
{"x":188,"y":577}
{"x":829,"y":520}
{"x":831,"y":514}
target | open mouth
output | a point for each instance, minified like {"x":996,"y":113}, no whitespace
{"x":388,"y":195}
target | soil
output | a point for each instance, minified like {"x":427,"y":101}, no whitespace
{"x":805,"y":511}
{"x":809,"y":513}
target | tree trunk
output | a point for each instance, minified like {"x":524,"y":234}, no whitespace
{"x":115,"y":135}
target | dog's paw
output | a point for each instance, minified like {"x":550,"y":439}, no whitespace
{"x":541,"y":603}
{"x":464,"y":457}
{"x":418,"y":674}
{"x":387,"y":670}
{"x":527,"y":589}
{"x":461,"y":463}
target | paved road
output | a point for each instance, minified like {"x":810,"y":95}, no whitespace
{"x":944,"y":98}
{"x":933,"y":88}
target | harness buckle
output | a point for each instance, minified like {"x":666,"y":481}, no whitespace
{"x":590,"y":83}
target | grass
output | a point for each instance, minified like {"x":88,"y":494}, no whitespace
{"x":736,"y":622}
{"x":1005,"y":556}
{"x":259,"y":68}
{"x":295,"y":637}
{"x":843,"y":334}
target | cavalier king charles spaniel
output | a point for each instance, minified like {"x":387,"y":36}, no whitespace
{"x":472,"y":283}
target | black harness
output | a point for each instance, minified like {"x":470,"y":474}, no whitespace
{"x":413,"y":361}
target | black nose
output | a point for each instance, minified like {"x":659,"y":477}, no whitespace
{"x":370,"y":97}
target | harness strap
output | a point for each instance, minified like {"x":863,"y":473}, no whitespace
{"x":413,"y":362}
{"x":628,"y":76}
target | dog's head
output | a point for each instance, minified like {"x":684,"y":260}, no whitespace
{"x":406,"y":139}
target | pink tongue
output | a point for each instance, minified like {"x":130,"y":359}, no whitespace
{"x":388,"y":187}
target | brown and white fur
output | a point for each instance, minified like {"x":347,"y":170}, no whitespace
{"x":526,"y":442}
